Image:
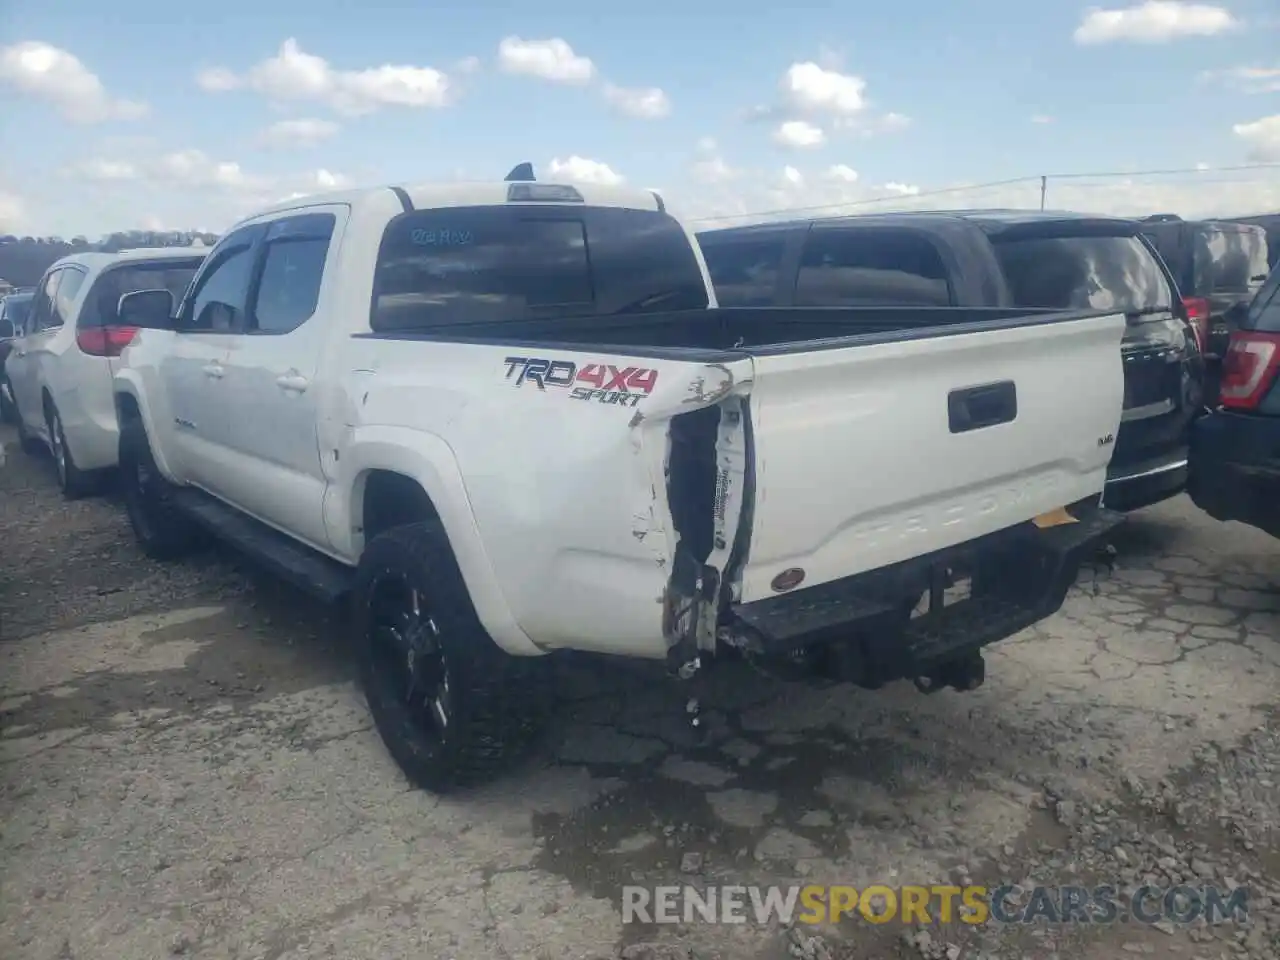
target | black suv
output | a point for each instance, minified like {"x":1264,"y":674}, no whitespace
{"x":1216,"y":264}
{"x":1235,"y":451}
{"x":997,"y":258}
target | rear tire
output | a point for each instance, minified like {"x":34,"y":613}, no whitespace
{"x":163,"y":531}
{"x":74,"y":482}
{"x":452,"y":708}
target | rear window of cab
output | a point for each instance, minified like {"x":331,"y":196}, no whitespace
{"x":461,"y":265}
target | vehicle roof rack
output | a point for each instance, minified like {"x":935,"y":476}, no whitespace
{"x":521,"y":173}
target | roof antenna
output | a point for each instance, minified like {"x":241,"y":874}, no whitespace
{"x":521,"y":173}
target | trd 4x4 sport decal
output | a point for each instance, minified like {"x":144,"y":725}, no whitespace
{"x":601,"y":382}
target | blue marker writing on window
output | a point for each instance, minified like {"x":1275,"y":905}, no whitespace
{"x":443,"y":237}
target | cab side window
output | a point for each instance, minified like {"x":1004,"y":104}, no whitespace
{"x":217,"y":301}
{"x":295,"y":249}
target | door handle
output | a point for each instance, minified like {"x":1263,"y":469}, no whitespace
{"x":293,"y":382}
{"x":988,"y":405}
{"x":214,"y":370}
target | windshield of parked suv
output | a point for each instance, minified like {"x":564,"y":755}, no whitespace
{"x":1230,"y":258}
{"x":104,"y":299}
{"x":14,"y":310}
{"x":486,"y":264}
{"x":1083,"y":272}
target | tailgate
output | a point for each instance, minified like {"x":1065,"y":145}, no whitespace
{"x":870,"y":455}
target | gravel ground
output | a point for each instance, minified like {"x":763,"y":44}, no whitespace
{"x":187,"y":769}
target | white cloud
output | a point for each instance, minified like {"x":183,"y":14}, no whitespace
{"x":295,"y":75}
{"x":328,"y":180}
{"x":1041,"y":118}
{"x":712,"y":169}
{"x":194,"y":168}
{"x":106,"y":170}
{"x":13,"y":211}
{"x":1263,"y":138}
{"x":552,"y":60}
{"x":468,"y":65}
{"x":217,"y":80}
{"x":642,"y":103}
{"x":868,"y":126}
{"x":1247,"y":79}
{"x":45,"y":72}
{"x":842,"y":173}
{"x":583,"y":170}
{"x":811,"y":88}
{"x":706,"y":145}
{"x":799,"y":135}
{"x":1156,"y":21}
{"x":792,"y":177}
{"x":316,"y":181}
{"x":301,"y":132}
{"x":902,"y":189}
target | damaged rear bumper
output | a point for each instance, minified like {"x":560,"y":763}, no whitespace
{"x":897,"y":622}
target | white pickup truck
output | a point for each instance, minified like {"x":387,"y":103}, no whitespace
{"x":507,"y":419}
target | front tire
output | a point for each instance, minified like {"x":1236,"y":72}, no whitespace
{"x":163,"y":531}
{"x":32,"y":446}
{"x":73,"y":481}
{"x":452,"y":708}
{"x":8,"y":407}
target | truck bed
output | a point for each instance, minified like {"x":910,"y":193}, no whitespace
{"x":730,"y":330}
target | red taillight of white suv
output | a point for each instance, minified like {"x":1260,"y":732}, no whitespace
{"x":104,"y":341}
{"x":1248,"y":369}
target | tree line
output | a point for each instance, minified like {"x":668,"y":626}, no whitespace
{"x":23,"y":260}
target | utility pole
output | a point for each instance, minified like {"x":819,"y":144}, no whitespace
{"x":1044,"y":188}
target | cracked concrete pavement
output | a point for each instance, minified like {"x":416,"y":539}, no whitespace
{"x":187,"y":769}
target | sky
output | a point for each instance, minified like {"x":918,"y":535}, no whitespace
{"x":155,"y":115}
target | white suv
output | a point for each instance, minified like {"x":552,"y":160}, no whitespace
{"x":60,"y":369}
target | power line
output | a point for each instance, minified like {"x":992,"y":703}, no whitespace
{"x":869,"y":201}
{"x":1014,"y":181}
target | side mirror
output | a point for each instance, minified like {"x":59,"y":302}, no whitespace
{"x":148,"y":309}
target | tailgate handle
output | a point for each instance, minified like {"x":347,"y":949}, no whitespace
{"x":973,"y":408}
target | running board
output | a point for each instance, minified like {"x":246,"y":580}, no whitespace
{"x":312,"y":572}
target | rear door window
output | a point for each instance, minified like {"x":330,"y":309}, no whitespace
{"x":1230,"y":259}
{"x":292,"y":270}
{"x":871,"y":266}
{"x":463,"y":265}
{"x":16,"y":311}
{"x":42,"y":305}
{"x":1083,"y":273}
{"x":64,"y":300}
{"x":1264,"y":312}
{"x":100,"y":307}
{"x":744,"y":269}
